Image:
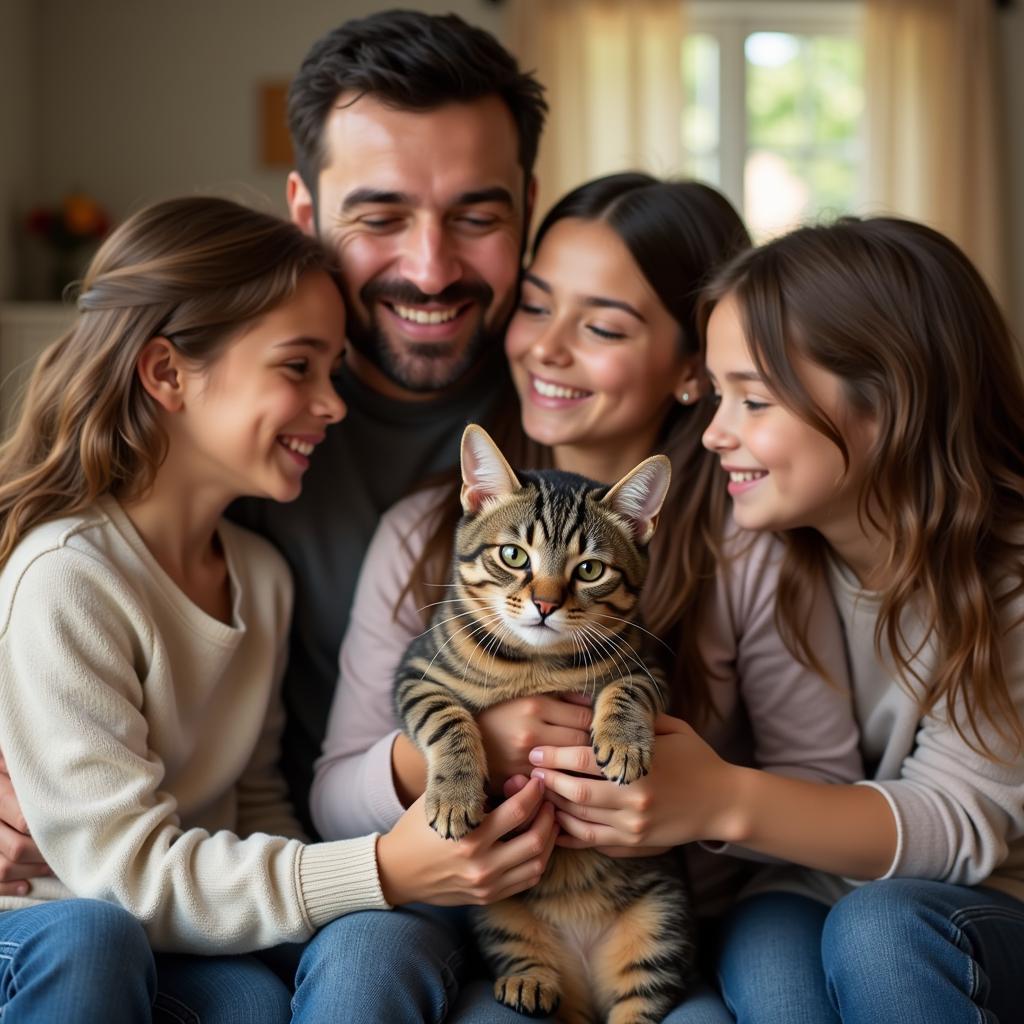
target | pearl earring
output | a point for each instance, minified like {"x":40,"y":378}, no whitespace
{"x":685,"y":398}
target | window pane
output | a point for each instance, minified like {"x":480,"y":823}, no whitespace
{"x":776,"y":90}
{"x":804,"y":107}
{"x":704,"y":168}
{"x":776,"y":193}
{"x":837,"y":71}
{"x":701,"y":90}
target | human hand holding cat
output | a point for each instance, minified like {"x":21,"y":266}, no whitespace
{"x":685,"y":797}
{"x":513,"y":728}
{"x":417,"y":865}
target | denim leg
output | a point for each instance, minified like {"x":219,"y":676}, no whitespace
{"x":702,"y":1005}
{"x":392,"y":966}
{"x":218,"y":990}
{"x":74,"y":960}
{"x":918,"y":952}
{"x":769,"y":961}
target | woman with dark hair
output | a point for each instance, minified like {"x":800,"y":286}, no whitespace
{"x":605,"y":356}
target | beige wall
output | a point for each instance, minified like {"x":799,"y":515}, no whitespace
{"x":145,"y":98}
{"x":135,"y":100}
{"x":1011,"y":34}
{"x":17,"y":116}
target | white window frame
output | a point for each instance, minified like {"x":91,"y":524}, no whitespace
{"x":730,"y":22}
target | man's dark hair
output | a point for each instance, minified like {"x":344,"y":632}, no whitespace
{"x":410,"y":61}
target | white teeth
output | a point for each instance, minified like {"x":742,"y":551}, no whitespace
{"x":423,"y":316}
{"x":542,"y":387}
{"x":302,"y":447}
{"x":746,"y":477}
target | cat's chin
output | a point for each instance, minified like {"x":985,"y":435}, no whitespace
{"x":540,"y":637}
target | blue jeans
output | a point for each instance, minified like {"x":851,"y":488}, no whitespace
{"x":903,"y":950}
{"x":410,"y":965}
{"x":90,"y":962}
{"x":74,"y":960}
{"x":416,"y":964}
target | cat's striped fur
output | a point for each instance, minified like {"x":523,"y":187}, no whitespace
{"x":545,"y":578}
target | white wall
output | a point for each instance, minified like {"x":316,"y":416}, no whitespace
{"x":17,"y":116}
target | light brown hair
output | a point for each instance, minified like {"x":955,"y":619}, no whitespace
{"x":900,"y":316}
{"x":194,"y":270}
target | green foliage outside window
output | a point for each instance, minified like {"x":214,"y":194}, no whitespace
{"x":802,"y":153}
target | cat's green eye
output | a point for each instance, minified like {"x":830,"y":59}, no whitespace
{"x":513,"y":556}
{"x":590,"y":570}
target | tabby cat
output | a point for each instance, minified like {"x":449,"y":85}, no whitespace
{"x":547,"y":570}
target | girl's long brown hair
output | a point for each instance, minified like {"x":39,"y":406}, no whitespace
{"x":678,"y":233}
{"x":898,"y":313}
{"x":193,"y":270}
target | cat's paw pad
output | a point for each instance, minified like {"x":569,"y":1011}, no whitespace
{"x":526,"y":994}
{"x":453,"y":818}
{"x":622,"y":761}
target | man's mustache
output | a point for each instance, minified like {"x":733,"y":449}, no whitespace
{"x":404,"y":293}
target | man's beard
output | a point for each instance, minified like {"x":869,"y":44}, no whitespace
{"x":423,"y":366}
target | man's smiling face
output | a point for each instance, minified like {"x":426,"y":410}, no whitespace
{"x":426,"y":212}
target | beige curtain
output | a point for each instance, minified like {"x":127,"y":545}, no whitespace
{"x":612,"y":69}
{"x":933,"y":143}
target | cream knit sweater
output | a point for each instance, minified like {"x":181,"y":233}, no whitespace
{"x":141,"y":736}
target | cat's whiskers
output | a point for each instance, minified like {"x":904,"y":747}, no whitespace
{"x":636,"y":659}
{"x":590,"y":629}
{"x":498,"y":637}
{"x":630,"y":622}
{"x":436,"y":604}
{"x":587,"y":658}
{"x":441,"y":622}
{"x":476,"y":647}
{"x":437,"y":653}
{"x":633,"y":655}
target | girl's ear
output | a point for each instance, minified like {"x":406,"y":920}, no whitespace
{"x":158,"y":368}
{"x":485,"y":473}
{"x":691,"y":382}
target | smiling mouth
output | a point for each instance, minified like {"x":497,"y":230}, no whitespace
{"x":429,"y":317}
{"x":746,"y":476}
{"x":547,"y":389}
{"x":297,"y":445}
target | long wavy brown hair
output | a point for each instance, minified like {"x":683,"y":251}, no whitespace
{"x":898,"y":313}
{"x":194,"y":270}
{"x":678,"y":232}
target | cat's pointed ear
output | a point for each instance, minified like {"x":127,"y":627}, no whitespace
{"x":485,"y":473}
{"x":639,"y":495}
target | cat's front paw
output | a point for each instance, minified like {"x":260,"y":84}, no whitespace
{"x":452,"y":813}
{"x":526,"y":994}
{"x":623,"y":752}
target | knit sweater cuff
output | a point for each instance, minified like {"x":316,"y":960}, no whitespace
{"x":337,"y":878}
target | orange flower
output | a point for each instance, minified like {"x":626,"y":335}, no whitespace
{"x":84,"y":216}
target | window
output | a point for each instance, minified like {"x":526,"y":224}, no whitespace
{"x":774,"y":105}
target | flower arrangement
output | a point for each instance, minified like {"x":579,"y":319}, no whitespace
{"x":73,"y":222}
{"x":68,"y":228}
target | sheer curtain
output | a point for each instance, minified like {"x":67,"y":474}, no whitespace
{"x":613,"y":74}
{"x":934,"y":144}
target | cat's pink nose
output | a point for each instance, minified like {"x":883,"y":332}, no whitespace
{"x":545,"y":607}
